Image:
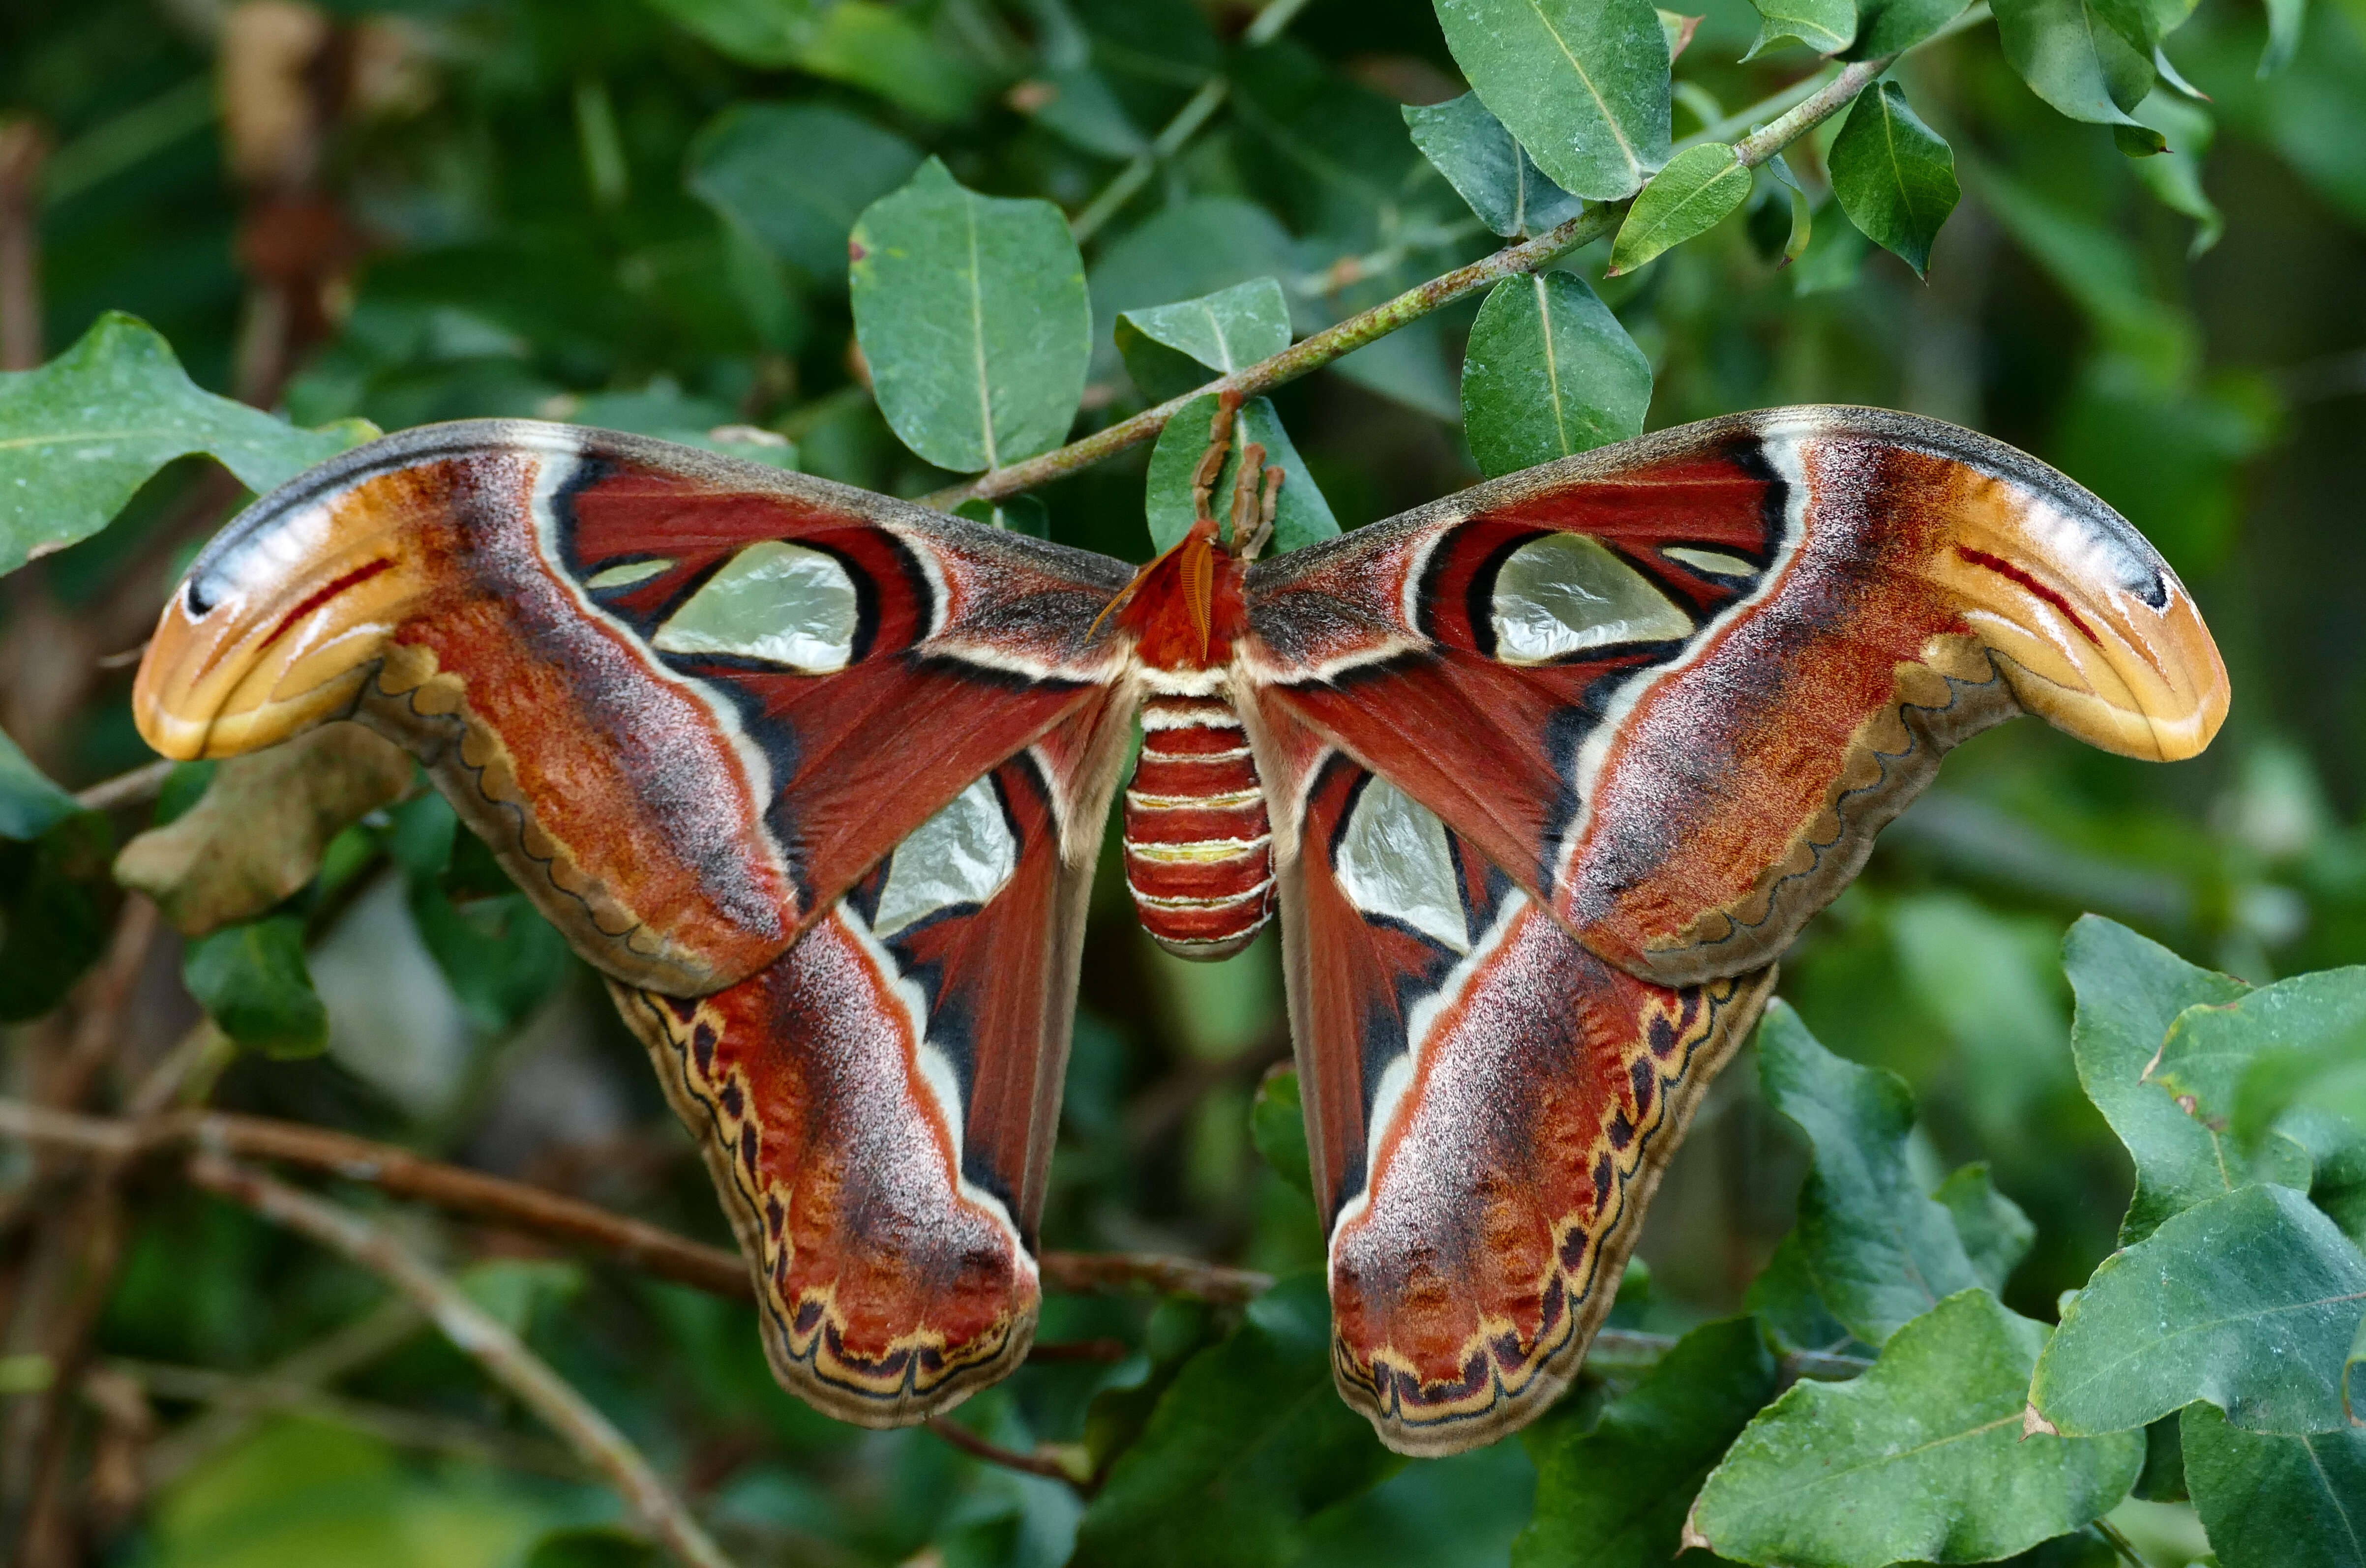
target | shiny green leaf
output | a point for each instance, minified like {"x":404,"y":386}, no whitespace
{"x":2249,"y":1301}
{"x":1548,"y":373}
{"x":1826,"y":26}
{"x":973,"y":315}
{"x":2276,"y":1500}
{"x":1302,"y":516}
{"x":2242,"y":1065}
{"x":1688,"y":198}
{"x":1246,"y":1444}
{"x":1615,"y":1496}
{"x":252,"y":981}
{"x":1170,"y":348}
{"x":82,"y":433}
{"x":2175,"y":177}
{"x":1921,"y":1459}
{"x":1880,"y":1250}
{"x":1582,"y":84}
{"x":798,"y":176}
{"x":1893,"y":175}
{"x":2089,"y":59}
{"x":1487,"y":168}
{"x":2130,"y":990}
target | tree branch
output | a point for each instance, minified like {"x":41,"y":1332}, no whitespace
{"x":472,"y":1329}
{"x":540,"y":1212}
{"x":1061,"y":1461}
{"x":1311,"y":354}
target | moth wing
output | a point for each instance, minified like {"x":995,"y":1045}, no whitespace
{"x":877,"y":1104}
{"x":689,"y":701}
{"x":1674,"y":686}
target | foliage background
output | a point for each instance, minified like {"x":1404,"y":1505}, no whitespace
{"x":592,"y":210}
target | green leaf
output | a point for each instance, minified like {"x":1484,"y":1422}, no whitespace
{"x":862,"y":42}
{"x":31,"y":804}
{"x":2175,"y":177}
{"x":798,"y":176}
{"x":2243,"y":1064}
{"x":82,"y":433}
{"x":2130,"y":989}
{"x":1302,"y":516}
{"x":1881,"y":1250}
{"x":1170,"y":348}
{"x":1075,"y":102}
{"x":1890,"y":26}
{"x":1278,"y":1127}
{"x":1783,"y":1293}
{"x":2354,"y":1388}
{"x":1583,"y":83}
{"x":252,"y":981}
{"x":1615,"y":1496}
{"x":1487,"y":168}
{"x":2286,"y":20}
{"x":1922,"y":1459}
{"x":1549,"y":371}
{"x":1770,"y":231}
{"x":502,"y":958}
{"x":2337,"y":1145}
{"x":1690,"y":195}
{"x":2277,"y":1501}
{"x":1826,"y":27}
{"x":2089,"y":59}
{"x":973,"y":314}
{"x":1020,"y":514}
{"x":1894,"y":177}
{"x":1997,"y":1234}
{"x":1249,"y":1443}
{"x":2249,"y":1301}
{"x":51,"y":924}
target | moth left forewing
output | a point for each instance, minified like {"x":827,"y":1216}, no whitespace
{"x":1489,"y":1105}
{"x":877,"y":1106}
{"x":689,"y":701}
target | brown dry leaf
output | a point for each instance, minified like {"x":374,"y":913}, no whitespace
{"x":257,"y":835}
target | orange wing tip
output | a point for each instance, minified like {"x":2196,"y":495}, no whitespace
{"x":2084,"y":620}
{"x":280,"y":621}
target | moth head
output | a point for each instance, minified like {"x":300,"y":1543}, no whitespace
{"x":2085,"y":621}
{"x":283,"y":618}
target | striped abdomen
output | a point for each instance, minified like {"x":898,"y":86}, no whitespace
{"x":1198,"y":855}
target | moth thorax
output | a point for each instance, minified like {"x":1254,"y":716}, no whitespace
{"x":1199,"y":852}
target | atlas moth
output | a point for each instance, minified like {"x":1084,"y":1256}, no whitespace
{"x":1540,"y":778}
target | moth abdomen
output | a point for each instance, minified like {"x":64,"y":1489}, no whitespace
{"x":1199,"y":850}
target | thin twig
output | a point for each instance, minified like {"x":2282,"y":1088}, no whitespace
{"x":1306,"y":355}
{"x":143,"y":783}
{"x":472,"y":1329}
{"x":540,"y":1212}
{"x":1170,"y":141}
{"x":2125,"y":1548}
{"x":252,"y":1395}
{"x":1061,"y":1461}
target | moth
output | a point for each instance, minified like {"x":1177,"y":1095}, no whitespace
{"x":1540,"y":778}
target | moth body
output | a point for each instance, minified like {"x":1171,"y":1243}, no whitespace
{"x":1199,"y":850}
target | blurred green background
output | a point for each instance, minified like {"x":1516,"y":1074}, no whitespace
{"x":609,"y":211}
